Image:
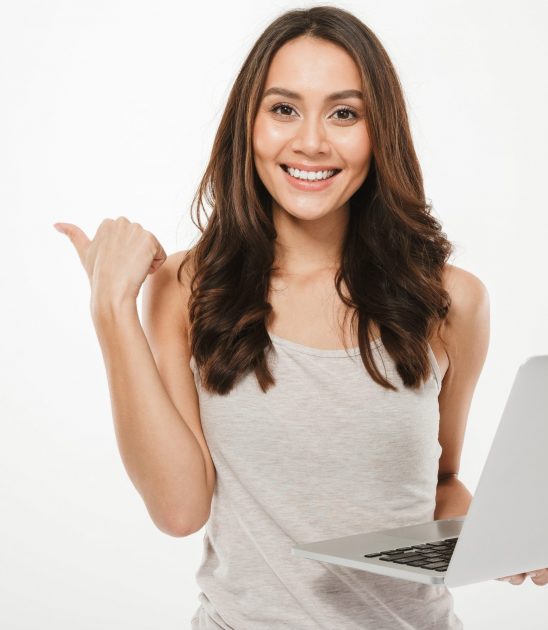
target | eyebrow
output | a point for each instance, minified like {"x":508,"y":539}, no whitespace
{"x":335,"y":96}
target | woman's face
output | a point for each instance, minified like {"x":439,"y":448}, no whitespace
{"x":304,"y":128}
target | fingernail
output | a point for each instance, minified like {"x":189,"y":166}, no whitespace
{"x":505,"y":579}
{"x":532,"y":574}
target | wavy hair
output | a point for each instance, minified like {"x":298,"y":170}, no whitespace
{"x":394,"y":250}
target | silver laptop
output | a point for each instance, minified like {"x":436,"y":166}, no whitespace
{"x":506,"y":528}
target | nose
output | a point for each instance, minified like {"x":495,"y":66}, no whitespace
{"x":310,"y":136}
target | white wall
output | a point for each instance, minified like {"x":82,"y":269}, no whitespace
{"x":109,"y":109}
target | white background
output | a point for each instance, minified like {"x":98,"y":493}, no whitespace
{"x":109,"y":109}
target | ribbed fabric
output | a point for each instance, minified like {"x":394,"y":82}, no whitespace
{"x":326,"y":452}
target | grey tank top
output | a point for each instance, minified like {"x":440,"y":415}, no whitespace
{"x":326,"y":452}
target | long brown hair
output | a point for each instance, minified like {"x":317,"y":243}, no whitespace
{"x":394,"y":250}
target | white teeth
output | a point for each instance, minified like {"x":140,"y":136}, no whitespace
{"x":309,"y":175}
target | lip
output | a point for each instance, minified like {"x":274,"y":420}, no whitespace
{"x":311,"y":186}
{"x":311,"y":167}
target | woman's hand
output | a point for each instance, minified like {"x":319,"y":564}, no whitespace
{"x":539,"y":577}
{"x":117,"y":260}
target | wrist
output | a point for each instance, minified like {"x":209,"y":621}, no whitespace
{"x":110,"y":309}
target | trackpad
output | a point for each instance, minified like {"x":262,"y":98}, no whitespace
{"x":433,"y":530}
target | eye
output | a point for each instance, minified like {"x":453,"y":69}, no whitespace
{"x":345,"y":110}
{"x":275,"y":107}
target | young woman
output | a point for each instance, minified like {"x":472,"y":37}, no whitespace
{"x":305,"y":371}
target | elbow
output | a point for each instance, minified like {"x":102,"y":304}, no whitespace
{"x":179,"y":528}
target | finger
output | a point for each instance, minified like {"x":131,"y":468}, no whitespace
{"x":539,"y":577}
{"x":513,"y":579}
{"x":76,"y":236}
{"x":156,"y":264}
{"x":159,"y":258}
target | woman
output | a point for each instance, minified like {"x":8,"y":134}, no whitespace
{"x":308,"y":366}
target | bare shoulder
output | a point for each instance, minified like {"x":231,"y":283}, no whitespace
{"x":176,"y":285}
{"x":463,"y":286}
{"x":468,"y":295}
{"x":468,"y":315}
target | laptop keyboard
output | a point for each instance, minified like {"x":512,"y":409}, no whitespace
{"x":434,"y":555}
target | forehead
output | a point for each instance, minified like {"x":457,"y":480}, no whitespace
{"x":309,"y":64}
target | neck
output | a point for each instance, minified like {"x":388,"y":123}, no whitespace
{"x":303,"y":246}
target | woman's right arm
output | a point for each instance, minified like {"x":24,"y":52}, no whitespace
{"x":163,"y":457}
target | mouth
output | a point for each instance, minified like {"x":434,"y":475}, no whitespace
{"x":310,"y":185}
{"x":332,"y":173}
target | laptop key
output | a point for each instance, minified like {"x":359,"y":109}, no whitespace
{"x":393,"y":558}
{"x":415,"y":563}
{"x":398,"y":550}
{"x":406,"y":560}
{"x":435,"y":565}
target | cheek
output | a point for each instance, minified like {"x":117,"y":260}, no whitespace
{"x":268,"y":138}
{"x":354,"y":145}
{"x":260,"y":148}
{"x":356,"y":149}
{"x":256,"y":139}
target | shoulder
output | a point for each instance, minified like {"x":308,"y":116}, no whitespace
{"x":466,"y":328}
{"x":469,"y":297}
{"x":174,"y":261}
{"x":169,"y":290}
{"x":464,"y":287}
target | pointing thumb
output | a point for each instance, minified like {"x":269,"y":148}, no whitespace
{"x":76,"y":235}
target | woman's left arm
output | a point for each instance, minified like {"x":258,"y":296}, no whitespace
{"x":466,"y":335}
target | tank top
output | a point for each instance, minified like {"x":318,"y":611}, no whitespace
{"x":325,"y":452}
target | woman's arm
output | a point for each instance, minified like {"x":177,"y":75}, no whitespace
{"x":160,"y":452}
{"x":466,"y":334}
{"x":452,"y":498}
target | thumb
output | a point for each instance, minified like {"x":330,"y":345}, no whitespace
{"x":76,"y":236}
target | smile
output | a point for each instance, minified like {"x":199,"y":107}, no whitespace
{"x":309,"y":180}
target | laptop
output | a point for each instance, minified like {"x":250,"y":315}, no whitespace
{"x":504,"y":531}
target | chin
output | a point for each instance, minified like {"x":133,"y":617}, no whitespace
{"x":303,"y":214}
